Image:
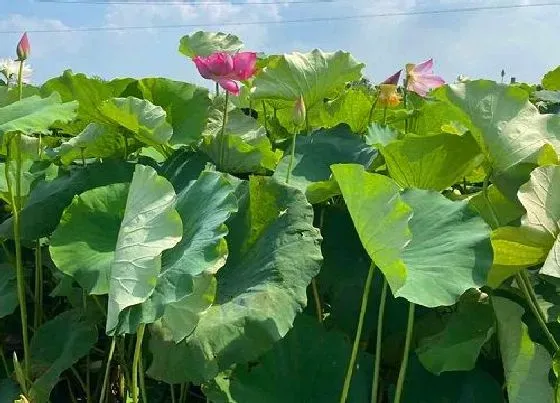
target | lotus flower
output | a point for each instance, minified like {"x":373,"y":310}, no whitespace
{"x":388,"y":95}
{"x":226,"y":70}
{"x":299,"y":112}
{"x":23,"y":48}
{"x":421,"y":79}
{"x":394,"y":79}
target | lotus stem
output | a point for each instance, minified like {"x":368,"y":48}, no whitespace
{"x":264,"y":117}
{"x":142,"y":380}
{"x":525,"y":285}
{"x":172,"y":393}
{"x":218,"y":90}
{"x":4,"y":362}
{"x":373,"y":105}
{"x":223,"y":134}
{"x":38,"y":312}
{"x":107,"y":369}
{"x":406,"y":353}
{"x":354,"y":355}
{"x":136,"y":360}
{"x":495,"y":221}
{"x":385,"y":116}
{"x":292,"y":156}
{"x":405,"y":103}
{"x":379,"y":336}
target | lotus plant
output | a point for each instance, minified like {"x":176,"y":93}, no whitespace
{"x":226,"y":70}
{"x":421,"y":79}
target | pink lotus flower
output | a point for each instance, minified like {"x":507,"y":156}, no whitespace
{"x":421,"y":79}
{"x":23,"y":48}
{"x":394,"y":79}
{"x":226,"y":70}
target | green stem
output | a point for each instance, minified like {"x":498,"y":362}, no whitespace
{"x":307,"y":125}
{"x":183,"y":395}
{"x":375,"y":383}
{"x":218,"y":90}
{"x":172,"y":393}
{"x":88,"y":375}
{"x":373,"y":105}
{"x":38,"y":312}
{"x":264,"y":112}
{"x":142,"y":380}
{"x":317,"y":299}
{"x":107,"y":369}
{"x":385,"y":116}
{"x":79,"y":379}
{"x":496,"y":222}
{"x":84,"y":158}
{"x":223,"y":134}
{"x":125,"y":146}
{"x":70,"y":391}
{"x":527,"y":289}
{"x":292,"y":156}
{"x":354,"y":355}
{"x":136,"y":360}
{"x":405,"y":103}
{"x":406,"y":353}
{"x":20,"y":81}
{"x":40,"y":150}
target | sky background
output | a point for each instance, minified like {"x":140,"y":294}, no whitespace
{"x":523,"y":41}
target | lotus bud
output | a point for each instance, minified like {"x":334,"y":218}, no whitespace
{"x":388,"y":96}
{"x":23,"y":48}
{"x":299,"y":112}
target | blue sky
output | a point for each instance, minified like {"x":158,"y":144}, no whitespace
{"x":522,"y":41}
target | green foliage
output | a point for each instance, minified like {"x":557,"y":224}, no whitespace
{"x":551,"y":80}
{"x":205,"y":43}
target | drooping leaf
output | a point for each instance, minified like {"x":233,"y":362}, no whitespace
{"x":431,"y":162}
{"x":457,"y":346}
{"x":8,"y":290}
{"x":308,"y":352}
{"x":35,"y":114}
{"x":46,"y":202}
{"x":274,"y":253}
{"x":95,"y":141}
{"x":526,"y":363}
{"x":145,"y":121}
{"x":512,"y":128}
{"x":317,"y":152}
{"x":551,"y":80}
{"x":55,"y":347}
{"x":445,"y":252}
{"x":502,"y":209}
{"x":186,"y":105}
{"x":205,"y":43}
{"x":150,"y":225}
{"x":315,"y":76}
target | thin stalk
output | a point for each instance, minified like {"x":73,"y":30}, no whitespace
{"x":317,"y":299}
{"x":83,"y":157}
{"x":183,"y":395}
{"x":405,"y":103}
{"x":496,"y":222}
{"x":107,"y":369}
{"x":136,"y":360}
{"x":264,"y":117}
{"x":354,"y":355}
{"x":70,"y":391}
{"x":385,"y":116}
{"x":40,"y":146}
{"x":172,"y":393}
{"x":142,"y":379}
{"x":125,"y":146}
{"x":406,"y":353}
{"x":4,"y":362}
{"x":531,"y":298}
{"x":38,"y":312}
{"x":79,"y":379}
{"x":223,"y":133}
{"x":307,"y":125}
{"x":20,"y":274}
{"x":292,"y":156}
{"x":381,"y":313}
{"x":218,"y":90}
{"x":373,"y":105}
{"x":88,"y":375}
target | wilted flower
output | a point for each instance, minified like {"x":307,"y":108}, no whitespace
{"x":394,"y":79}
{"x":388,"y":96}
{"x":226,"y":70}
{"x":23,"y":48}
{"x":299,"y":112}
{"x":421,"y":79}
{"x":10,"y":69}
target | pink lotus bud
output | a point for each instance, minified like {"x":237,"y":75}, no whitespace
{"x":299,"y":112}
{"x":23,"y":48}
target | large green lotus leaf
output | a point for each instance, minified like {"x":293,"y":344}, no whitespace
{"x":186,"y":105}
{"x":150,"y":225}
{"x":90,"y":92}
{"x":515,"y":249}
{"x":431,"y":162}
{"x":526,"y":363}
{"x":474,"y":386}
{"x":35,"y":114}
{"x":83,"y":244}
{"x":182,"y":167}
{"x":205,"y":43}
{"x":308,"y":352}
{"x":380,"y":217}
{"x":47,"y":201}
{"x":541,"y":199}
{"x":95,"y":141}
{"x":32,"y":173}
{"x":501,"y":208}
{"x":551,"y":80}
{"x":457,"y":346}
{"x":315,"y":76}
{"x":512,"y":128}
{"x":8,"y":290}
{"x":10,"y":95}
{"x":430,"y":249}
{"x":274,"y":254}
{"x":317,"y":152}
{"x":351,"y":107}
{"x":140,"y":117}
{"x":55,"y":347}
